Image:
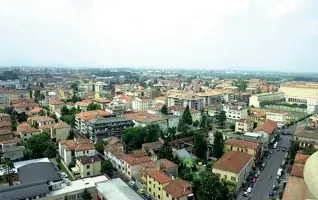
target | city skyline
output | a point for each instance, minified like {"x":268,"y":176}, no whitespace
{"x":233,"y":35}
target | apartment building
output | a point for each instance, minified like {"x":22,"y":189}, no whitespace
{"x":244,"y":125}
{"x":234,"y":166}
{"x":41,"y":120}
{"x":9,"y":84}
{"x":306,"y":136}
{"x":8,"y":95}
{"x":178,"y":111}
{"x":104,"y":127}
{"x":184,"y":99}
{"x":235,"y":111}
{"x":55,"y":104}
{"x":142,"y":104}
{"x":257,"y":99}
{"x":72,"y":149}
{"x":83,"y":117}
{"x":132,"y":164}
{"x":26,"y":131}
{"x":281,"y":117}
{"x":116,"y":108}
{"x":87,"y":166}
{"x":252,"y":148}
{"x":58,"y":131}
{"x":24,"y":106}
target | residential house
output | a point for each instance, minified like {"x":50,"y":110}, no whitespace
{"x":26,"y":131}
{"x":5,"y":134}
{"x":115,"y":142}
{"x":55,"y":104}
{"x":24,"y":106}
{"x":164,"y":165}
{"x":116,"y":108}
{"x":153,"y":147}
{"x":131,"y":164}
{"x":244,"y":125}
{"x":142,"y":103}
{"x":41,"y":120}
{"x":161,"y":186}
{"x":69,"y":150}
{"x":58,"y":131}
{"x":5,"y":117}
{"x":87,"y":166}
{"x":38,"y":110}
{"x":83,"y":117}
{"x":178,"y":110}
{"x":267,"y":130}
{"x":126,"y":100}
{"x":5,"y":125}
{"x":83,"y":104}
{"x":184,"y":99}
{"x":281,"y":117}
{"x":102,"y":102}
{"x":115,"y":156}
{"x":213,"y":110}
{"x":8,"y":95}
{"x":252,"y":148}
{"x":306,"y":137}
{"x":235,"y":111}
{"x":12,"y":149}
{"x":234,"y":166}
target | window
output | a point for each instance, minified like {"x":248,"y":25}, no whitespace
{"x":88,"y":173}
{"x":128,"y":173}
{"x":167,"y":195}
{"x":83,"y":152}
{"x":154,"y":185}
{"x":149,"y":182}
{"x":225,"y":177}
{"x":87,"y":167}
{"x":159,"y":188}
{"x":149,"y":189}
{"x":233,"y":178}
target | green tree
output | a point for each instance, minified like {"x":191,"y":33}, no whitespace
{"x":218,"y":144}
{"x":86,"y":195}
{"x":208,"y":124}
{"x":221,"y":118}
{"x":53,"y":115}
{"x":232,"y":127}
{"x":182,"y":126}
{"x":42,"y":113}
{"x":39,"y":146}
{"x":293,"y":149}
{"x":65,"y":111}
{"x":69,"y":119}
{"x":209,"y":187}
{"x":203,"y":120}
{"x":99,"y":145}
{"x":71,"y":135}
{"x":164,"y":110}
{"x":22,"y":117}
{"x":93,"y":106}
{"x":74,"y":86}
{"x":75,"y":98}
{"x":196,"y":123}
{"x":200,"y":146}
{"x":186,"y":116}
{"x":35,"y":124}
{"x":107,"y":168}
{"x":165,"y":151}
{"x":6,"y":165}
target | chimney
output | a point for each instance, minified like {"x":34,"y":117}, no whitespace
{"x":92,"y":159}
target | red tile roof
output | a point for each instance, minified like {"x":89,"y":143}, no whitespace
{"x":56,"y":102}
{"x":36,"y":110}
{"x":24,"y":105}
{"x":178,"y":188}
{"x":233,"y":161}
{"x":243,"y":144}
{"x":267,"y":127}
{"x":297,"y":170}
{"x":5,"y":124}
{"x":88,"y":115}
{"x":102,"y":100}
{"x":40,"y":119}
{"x":158,"y":175}
{"x":13,"y":140}
{"x":79,"y":145}
{"x":136,"y":161}
{"x":301,"y":158}
{"x":28,"y":130}
{"x":5,"y":132}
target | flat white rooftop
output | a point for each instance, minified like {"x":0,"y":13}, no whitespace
{"x":77,"y":185}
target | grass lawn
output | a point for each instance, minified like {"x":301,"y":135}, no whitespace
{"x":62,"y":168}
{"x":299,"y":115}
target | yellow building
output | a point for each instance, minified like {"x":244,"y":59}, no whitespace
{"x":300,"y":92}
{"x":54,"y":104}
{"x":234,"y":167}
{"x":163,"y":187}
{"x":8,"y":95}
{"x":252,"y":148}
{"x":244,"y":125}
{"x":26,"y":131}
{"x":87,"y":166}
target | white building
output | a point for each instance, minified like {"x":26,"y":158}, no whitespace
{"x":71,"y":149}
{"x":257,"y":99}
{"x":235,"y":111}
{"x":280,"y":117}
{"x":142,"y":104}
{"x":185,"y":99}
{"x":100,"y":86}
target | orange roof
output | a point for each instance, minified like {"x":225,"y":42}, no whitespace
{"x":28,"y":130}
{"x":301,"y":158}
{"x":178,"y":188}
{"x":297,"y":170}
{"x":243,"y":143}
{"x":79,"y":145}
{"x":138,"y":153}
{"x":165,"y":163}
{"x":24,"y":105}
{"x":56,"y":102}
{"x":88,"y":115}
{"x":102,"y":100}
{"x":136,"y":161}
{"x":83,"y":103}
{"x":127,"y":98}
{"x":5,"y":124}
{"x":36,"y":110}
{"x":13,"y":91}
{"x":233,"y":161}
{"x":158,"y":175}
{"x":14,"y":140}
{"x":5,"y":132}
{"x":267,"y":127}
{"x":41,"y":119}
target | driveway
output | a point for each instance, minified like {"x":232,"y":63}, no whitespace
{"x":264,"y":182}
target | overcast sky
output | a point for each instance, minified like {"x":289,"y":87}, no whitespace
{"x":209,"y":34}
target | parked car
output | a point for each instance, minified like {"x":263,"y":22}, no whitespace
{"x":254,"y":180}
{"x":147,"y":196}
{"x":268,"y":156}
{"x":256,"y":175}
{"x":283,"y":149}
{"x":271,"y":193}
{"x":271,"y":151}
{"x":249,"y":189}
{"x":132,"y":183}
{"x":141,"y":191}
{"x":277,"y":149}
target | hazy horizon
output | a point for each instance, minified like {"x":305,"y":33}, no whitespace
{"x":266,"y":35}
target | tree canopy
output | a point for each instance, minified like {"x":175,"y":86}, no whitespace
{"x":209,"y":187}
{"x":221,"y":118}
{"x":99,"y":145}
{"x":107,"y":168}
{"x":186,"y":116}
{"x":165,"y":152}
{"x":6,"y":165}
{"x":200,"y":146}
{"x":164,"y":110}
{"x":93,"y":106}
{"x":39,"y":146}
{"x":218,"y":144}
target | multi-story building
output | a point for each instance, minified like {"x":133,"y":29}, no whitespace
{"x":244,"y":125}
{"x":235,"y":111}
{"x":83,"y":117}
{"x":58,"y":131}
{"x":55,"y":104}
{"x":26,"y":131}
{"x":132,"y":164}
{"x":185,"y":99}
{"x":104,"y":127}
{"x":69,"y":150}
{"x":9,"y":83}
{"x":87,"y":166}
{"x":252,"y":148}
{"x":306,"y":137}
{"x":116,"y":108}
{"x":41,"y":120}
{"x":281,"y":117}
{"x":8,"y":95}
{"x":142,"y":104}
{"x":234,"y":166}
{"x":256,"y":100}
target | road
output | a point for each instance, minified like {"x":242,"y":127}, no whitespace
{"x":264,"y":182}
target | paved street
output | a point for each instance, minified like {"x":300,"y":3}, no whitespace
{"x":264,"y":182}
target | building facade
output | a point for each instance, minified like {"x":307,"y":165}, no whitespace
{"x":257,"y":99}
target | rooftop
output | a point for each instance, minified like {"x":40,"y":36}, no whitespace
{"x":5,"y":132}
{"x":136,"y":161}
{"x":243,"y":144}
{"x":178,"y":188}
{"x":88,"y":115}
{"x":301,"y":158}
{"x":85,"y":160}
{"x":158,"y":175}
{"x":77,"y":144}
{"x":295,"y":189}
{"x":297,"y":170}
{"x":5,"y":124}
{"x":233,"y":161}
{"x":164,"y":162}
{"x":306,"y":132}
{"x":41,"y":119}
{"x":267,"y":127}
